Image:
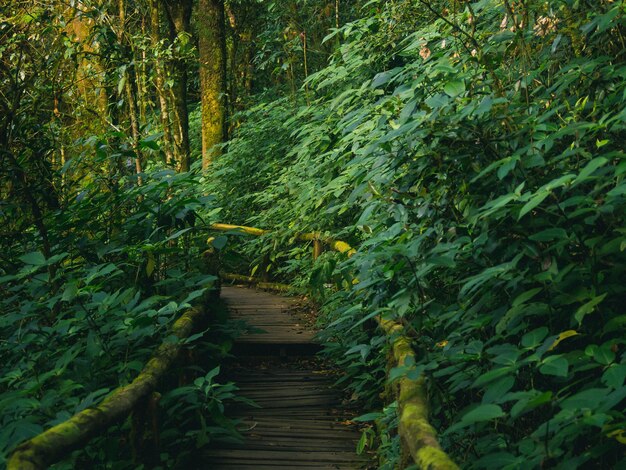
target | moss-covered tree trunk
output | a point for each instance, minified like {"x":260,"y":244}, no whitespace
{"x":90,"y":71}
{"x":159,"y":82}
{"x":212,"y":49}
{"x":130,"y":86}
{"x":179,"y":17}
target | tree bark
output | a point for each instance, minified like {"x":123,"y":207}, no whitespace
{"x":179,"y":17}
{"x":130,"y":90}
{"x":90,"y":72}
{"x":159,"y":82}
{"x":212,"y":49}
{"x":142,"y":78}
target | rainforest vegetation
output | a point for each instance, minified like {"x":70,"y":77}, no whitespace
{"x":470,"y":151}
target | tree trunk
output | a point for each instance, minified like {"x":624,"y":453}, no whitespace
{"x":142,"y":78}
{"x":232,"y":47}
{"x":90,"y":72}
{"x":248,"y":65}
{"x":129,"y":78}
{"x":179,"y":16}
{"x":159,"y":82}
{"x":233,"y":82}
{"x":131,"y":97}
{"x":212,"y":49}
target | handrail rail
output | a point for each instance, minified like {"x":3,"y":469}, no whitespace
{"x":51,"y":445}
{"x":337,"y":245}
{"x":418,"y":435}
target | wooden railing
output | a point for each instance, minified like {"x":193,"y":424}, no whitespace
{"x":55,"y":443}
{"x":316,"y":237}
{"x":418,"y":436}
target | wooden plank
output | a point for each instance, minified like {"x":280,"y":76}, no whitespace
{"x":283,"y":455}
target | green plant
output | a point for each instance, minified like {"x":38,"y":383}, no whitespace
{"x":471,"y":151}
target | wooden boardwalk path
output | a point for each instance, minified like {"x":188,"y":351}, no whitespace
{"x":301,"y":421}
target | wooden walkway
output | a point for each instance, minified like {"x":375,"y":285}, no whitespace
{"x":300,"y":422}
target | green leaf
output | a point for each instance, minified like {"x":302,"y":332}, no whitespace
{"x":494,"y":205}
{"x":219,"y":242}
{"x":177,"y":234}
{"x":533,"y":202}
{"x":534,"y":338}
{"x":444,"y":261}
{"x":549,"y":235}
{"x":498,"y":389}
{"x":503,"y":36}
{"x":34,"y":258}
{"x":592,"y":166}
{"x":482,"y":413}
{"x":151,"y":142}
{"x":491,"y":376}
{"x":454,"y":88}
{"x":530,"y":401}
{"x":151,"y":264}
{"x":368,"y":417}
{"x":523,"y":297}
{"x":590,"y":398}
{"x":122,"y":82}
{"x":508,"y":164}
{"x":614,"y":376}
{"x":499,"y":461}
{"x":192,"y":338}
{"x":604,"y":355}
{"x":437,"y":101}
{"x":69,"y":294}
{"x":554,"y":365}
{"x":384,"y":77}
{"x":360,"y":447}
{"x":588,"y":308}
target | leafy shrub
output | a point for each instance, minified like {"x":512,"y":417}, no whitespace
{"x":125,"y":263}
{"x":476,"y":159}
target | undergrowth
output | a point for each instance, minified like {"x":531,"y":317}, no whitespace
{"x":472,"y":151}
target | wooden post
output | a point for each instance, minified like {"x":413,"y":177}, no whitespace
{"x":265,"y":275}
{"x":318,"y":248}
{"x":144,"y":433}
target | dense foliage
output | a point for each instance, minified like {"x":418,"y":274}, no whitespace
{"x":124,"y":264}
{"x":472,"y":150}
{"x":101,"y":241}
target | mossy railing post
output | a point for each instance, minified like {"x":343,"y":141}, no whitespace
{"x":145,"y":431}
{"x":318,"y":248}
{"x":419,"y":438}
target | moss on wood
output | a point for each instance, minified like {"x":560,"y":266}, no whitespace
{"x":257,"y":232}
{"x":417,"y":434}
{"x":55,"y":443}
{"x":337,"y":245}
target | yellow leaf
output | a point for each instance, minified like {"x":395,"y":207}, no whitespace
{"x":561,"y":337}
{"x":619,"y":435}
{"x":442,"y":344}
{"x":150,"y":265}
